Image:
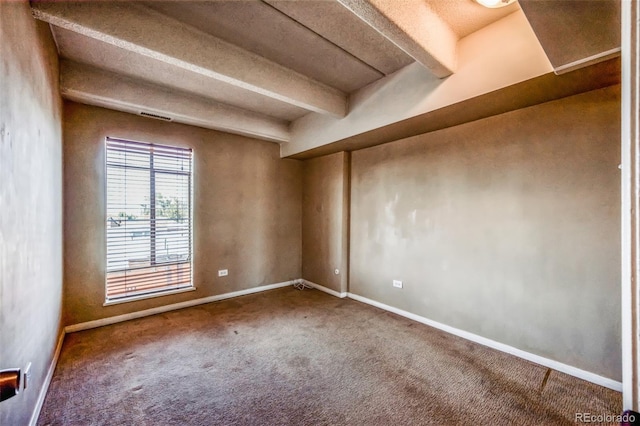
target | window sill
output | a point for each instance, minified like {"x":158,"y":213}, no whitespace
{"x":147,"y":296}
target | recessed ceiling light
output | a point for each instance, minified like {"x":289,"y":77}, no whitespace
{"x":493,"y":4}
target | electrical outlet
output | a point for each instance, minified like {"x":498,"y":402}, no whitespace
{"x":223,"y":272}
{"x":397,"y":284}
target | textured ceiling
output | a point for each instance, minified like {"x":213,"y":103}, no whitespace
{"x":466,"y":16}
{"x":585,"y":26}
{"x":266,"y":31}
{"x":87,"y":50}
{"x":260,"y":67}
{"x":336,"y":24}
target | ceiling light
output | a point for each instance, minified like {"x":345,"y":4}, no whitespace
{"x":493,"y":4}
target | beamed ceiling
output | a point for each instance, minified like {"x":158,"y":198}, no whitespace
{"x":319,"y":76}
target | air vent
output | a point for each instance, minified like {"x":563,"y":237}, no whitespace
{"x":156,"y":116}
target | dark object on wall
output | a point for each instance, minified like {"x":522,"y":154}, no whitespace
{"x":630,"y":418}
{"x":9,"y":383}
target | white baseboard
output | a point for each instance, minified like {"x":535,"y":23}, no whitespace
{"x":47,"y":381}
{"x":555,"y":365}
{"x":166,"y":308}
{"x":325,"y":289}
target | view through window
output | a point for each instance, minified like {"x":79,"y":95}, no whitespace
{"x":149,"y":218}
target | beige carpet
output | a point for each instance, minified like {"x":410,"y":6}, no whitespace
{"x":290,"y":357}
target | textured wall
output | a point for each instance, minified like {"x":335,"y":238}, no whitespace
{"x":325,"y":216}
{"x":507,"y":227}
{"x":31,"y":202}
{"x":247,"y":215}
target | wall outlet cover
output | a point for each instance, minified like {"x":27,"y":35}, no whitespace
{"x":397,"y":284}
{"x":223,"y":272}
{"x":26,"y":376}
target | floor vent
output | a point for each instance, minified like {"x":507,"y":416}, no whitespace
{"x":156,"y":116}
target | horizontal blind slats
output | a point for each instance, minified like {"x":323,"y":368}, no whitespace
{"x":148,"y":245}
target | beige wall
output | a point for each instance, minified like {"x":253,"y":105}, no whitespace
{"x":325,"y":216}
{"x":31,"y":202}
{"x":507,"y":227}
{"x":247,"y":215}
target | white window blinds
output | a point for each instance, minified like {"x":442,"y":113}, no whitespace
{"x":149,"y":218}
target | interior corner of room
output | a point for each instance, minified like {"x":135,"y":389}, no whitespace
{"x":477,"y":175}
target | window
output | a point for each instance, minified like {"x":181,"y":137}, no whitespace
{"x":149,"y":219}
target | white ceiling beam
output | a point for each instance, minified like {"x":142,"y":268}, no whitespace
{"x":415,"y":28}
{"x":500,"y":55}
{"x":149,"y":33}
{"x":93,"y":86}
{"x":108,"y":57}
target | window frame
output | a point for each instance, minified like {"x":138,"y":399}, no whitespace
{"x":142,"y":294}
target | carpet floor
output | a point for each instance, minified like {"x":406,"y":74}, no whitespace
{"x":290,"y":357}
